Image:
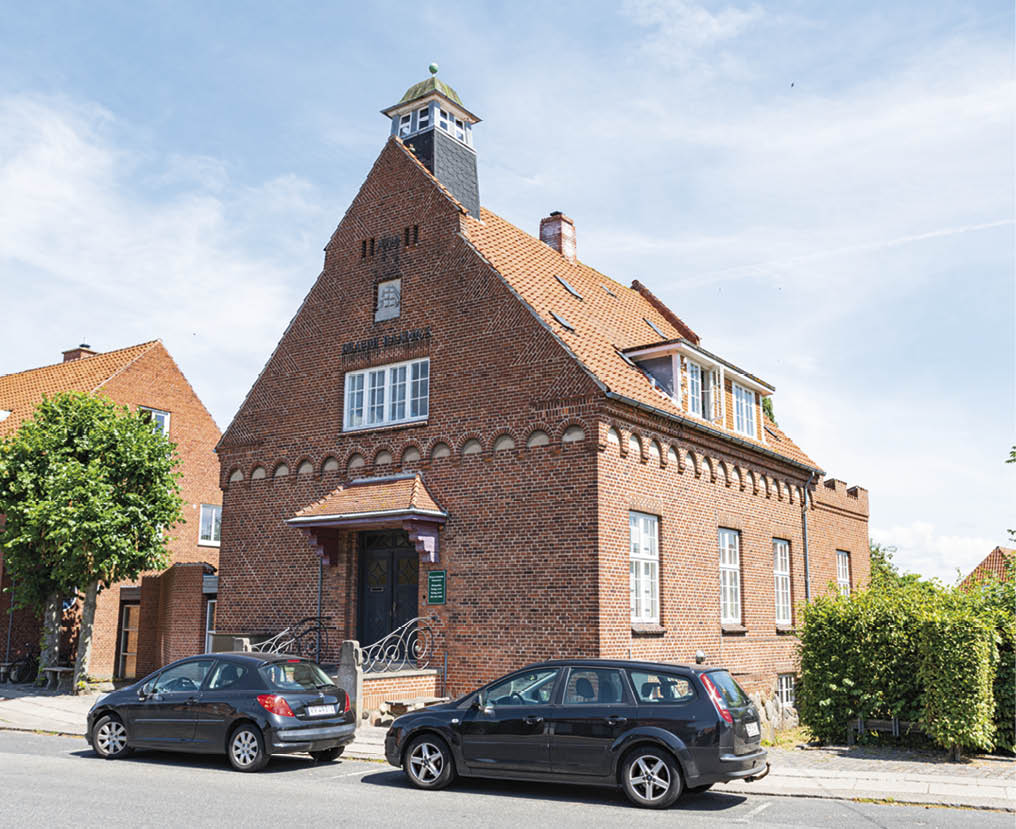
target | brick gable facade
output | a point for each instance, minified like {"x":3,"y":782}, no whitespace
{"x":536,"y":543}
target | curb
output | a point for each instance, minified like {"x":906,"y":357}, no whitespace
{"x":886,"y":799}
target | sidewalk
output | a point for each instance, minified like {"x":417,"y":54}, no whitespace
{"x":857,"y":773}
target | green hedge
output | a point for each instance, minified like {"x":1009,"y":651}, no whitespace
{"x":914,"y":650}
{"x":957,"y":672}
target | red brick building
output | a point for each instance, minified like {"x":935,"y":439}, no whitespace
{"x":456,"y":396}
{"x":996,"y":563}
{"x":138,"y":627}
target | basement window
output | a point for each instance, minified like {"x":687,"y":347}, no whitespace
{"x":568,"y":287}
{"x":785,"y":688}
{"x":562,"y":322}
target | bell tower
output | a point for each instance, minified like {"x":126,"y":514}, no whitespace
{"x":432,"y":122}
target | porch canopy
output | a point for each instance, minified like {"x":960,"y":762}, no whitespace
{"x":394,"y":501}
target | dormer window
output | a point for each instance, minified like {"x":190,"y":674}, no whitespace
{"x":699,"y":399}
{"x":744,"y":410}
{"x":405,"y":124}
{"x":423,"y":118}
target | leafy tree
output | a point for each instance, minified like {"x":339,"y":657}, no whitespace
{"x":89,"y":489}
{"x":1012,"y":459}
{"x":767,"y":407}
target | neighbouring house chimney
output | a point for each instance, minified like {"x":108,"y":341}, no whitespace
{"x":83,"y":350}
{"x":558,"y":231}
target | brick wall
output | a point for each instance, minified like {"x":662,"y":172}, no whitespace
{"x":377,"y":688}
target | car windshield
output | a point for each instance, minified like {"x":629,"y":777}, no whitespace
{"x":733,"y":695}
{"x":296,"y":675}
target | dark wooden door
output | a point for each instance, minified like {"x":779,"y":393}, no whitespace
{"x":389,"y":583}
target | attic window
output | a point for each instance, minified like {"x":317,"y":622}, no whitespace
{"x":657,"y":330}
{"x":423,"y":118}
{"x":626,"y":358}
{"x":609,"y":291}
{"x":563,"y":322}
{"x":568,"y":287}
{"x":405,"y":124}
{"x":4,"y":414}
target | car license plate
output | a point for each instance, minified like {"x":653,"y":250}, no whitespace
{"x":323,"y":710}
{"x":751,"y":728}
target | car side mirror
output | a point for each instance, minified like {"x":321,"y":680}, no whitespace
{"x":146,"y":690}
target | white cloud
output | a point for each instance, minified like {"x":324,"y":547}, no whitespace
{"x":84,"y":252}
{"x":679,"y":28}
{"x":923,"y":548}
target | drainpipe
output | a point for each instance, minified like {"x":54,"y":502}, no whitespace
{"x":804,"y":519}
{"x":320,"y":579}
{"x":10,"y":622}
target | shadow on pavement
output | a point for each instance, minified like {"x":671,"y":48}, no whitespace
{"x":279,"y":764}
{"x":560,"y":793}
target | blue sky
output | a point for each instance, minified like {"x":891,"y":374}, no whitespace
{"x":823,"y":191}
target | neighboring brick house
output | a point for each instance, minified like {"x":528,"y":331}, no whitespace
{"x":996,"y":563}
{"x":458,"y":396}
{"x":164,"y":615}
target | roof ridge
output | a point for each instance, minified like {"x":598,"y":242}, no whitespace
{"x":149,"y":343}
{"x":127,"y":365}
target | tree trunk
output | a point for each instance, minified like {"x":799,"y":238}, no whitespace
{"x":84,"y":656}
{"x":49,"y":649}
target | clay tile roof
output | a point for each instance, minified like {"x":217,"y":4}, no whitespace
{"x":607,"y":319}
{"x":21,"y":392}
{"x":995,"y":562}
{"x":365,"y":496}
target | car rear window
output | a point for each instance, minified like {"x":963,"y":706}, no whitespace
{"x":653,"y":687}
{"x":733,"y":694}
{"x":296,"y":675}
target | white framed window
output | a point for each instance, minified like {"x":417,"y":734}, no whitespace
{"x":781,"y":577}
{"x":785,"y":685}
{"x":389,"y":300}
{"x":405,"y":124}
{"x":644,"y":567}
{"x":210,"y":526}
{"x":460,"y":130}
{"x":843,"y":572}
{"x":444,"y":120}
{"x":730,"y":577}
{"x":695,"y":388}
{"x":386,"y":395}
{"x":210,"y":625}
{"x":160,"y":419}
{"x":423,"y":118}
{"x":744,"y":410}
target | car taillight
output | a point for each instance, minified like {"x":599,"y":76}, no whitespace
{"x":718,"y":702}
{"x":345,"y":709}
{"x":275,"y":704}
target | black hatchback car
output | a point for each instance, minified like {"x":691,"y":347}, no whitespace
{"x":653,"y":729}
{"x":248,"y":705}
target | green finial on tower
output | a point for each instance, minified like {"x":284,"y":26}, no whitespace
{"x":433,"y":68}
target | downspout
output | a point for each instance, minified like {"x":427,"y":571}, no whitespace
{"x":320,"y":579}
{"x":804,"y":520}
{"x":10,"y":622}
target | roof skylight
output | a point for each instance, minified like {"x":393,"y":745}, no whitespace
{"x":562,"y":321}
{"x":657,"y":330}
{"x":609,"y":291}
{"x":568,"y":287}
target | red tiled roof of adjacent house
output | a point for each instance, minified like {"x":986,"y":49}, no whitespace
{"x":608,"y":318}
{"x":994,"y":562}
{"x":21,"y":392}
{"x":399,"y":493}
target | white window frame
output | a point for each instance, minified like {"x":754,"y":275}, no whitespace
{"x":443,"y":119}
{"x":695,"y":379}
{"x":369,"y":402}
{"x":843,"y":572}
{"x":644,"y":567}
{"x":423,"y":118}
{"x":730,"y":576}
{"x":211,"y":541}
{"x":782,"y":603}
{"x":405,"y":124}
{"x":744,"y":410}
{"x":156,"y":413}
{"x":210,"y":607}
{"x":786,"y":689}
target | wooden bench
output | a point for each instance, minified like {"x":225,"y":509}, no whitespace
{"x":894,"y":727}
{"x":56,"y":675}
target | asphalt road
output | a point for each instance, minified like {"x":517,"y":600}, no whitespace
{"x":57,"y":781}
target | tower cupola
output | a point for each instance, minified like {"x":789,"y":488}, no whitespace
{"x":432,"y":122}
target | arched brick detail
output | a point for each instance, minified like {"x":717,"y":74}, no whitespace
{"x":674,"y":458}
{"x":504,"y":442}
{"x":330,"y":461}
{"x":540,"y":436}
{"x":557,"y":435}
{"x":656,"y":456}
{"x":710,"y":468}
{"x":611,"y":432}
{"x":465,"y":439}
{"x":379,"y":453}
{"x":300,"y":464}
{"x":361,"y":463}
{"x":279,"y":466}
{"x":407,"y":450}
{"x":429,"y":454}
{"x":694,"y":462}
{"x":636,"y":443}
{"x":725,"y":470}
{"x":739,"y":477}
{"x":233,"y":473}
{"x":258,"y":472}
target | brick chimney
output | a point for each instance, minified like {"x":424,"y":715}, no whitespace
{"x":558,"y":231}
{"x":83,"y":350}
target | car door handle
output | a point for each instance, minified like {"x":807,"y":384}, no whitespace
{"x":533,"y":720}
{"x":190,"y":700}
{"x":614,"y":719}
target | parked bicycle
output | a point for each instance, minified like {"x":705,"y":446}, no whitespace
{"x":25,"y":666}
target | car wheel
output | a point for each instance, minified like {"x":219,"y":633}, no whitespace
{"x":650,"y":778}
{"x":109,"y":738}
{"x":428,"y":763}
{"x":246,"y":749}
{"x":326,"y":755}
{"x":699,"y":789}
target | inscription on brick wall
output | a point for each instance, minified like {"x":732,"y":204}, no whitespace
{"x":387,"y":341}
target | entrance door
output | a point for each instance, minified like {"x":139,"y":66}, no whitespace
{"x":129,"y":616}
{"x":389,"y":582}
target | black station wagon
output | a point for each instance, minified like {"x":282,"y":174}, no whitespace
{"x":248,"y":705}
{"x":653,"y":729}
